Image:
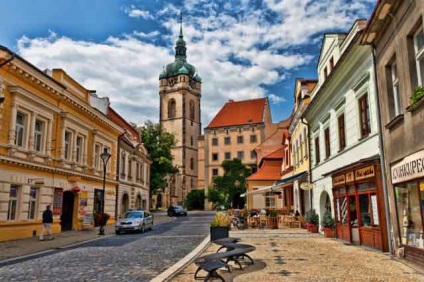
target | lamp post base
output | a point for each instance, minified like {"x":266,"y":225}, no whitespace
{"x":101,"y":230}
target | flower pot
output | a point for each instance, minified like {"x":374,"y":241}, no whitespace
{"x":273,"y":222}
{"x":313,"y":228}
{"x":328,"y":232}
{"x":219,"y":233}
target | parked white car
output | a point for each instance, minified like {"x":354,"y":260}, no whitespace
{"x":134,"y":221}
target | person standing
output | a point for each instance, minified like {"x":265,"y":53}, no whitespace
{"x":46,"y":223}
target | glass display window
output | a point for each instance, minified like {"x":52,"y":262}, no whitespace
{"x":409,"y":203}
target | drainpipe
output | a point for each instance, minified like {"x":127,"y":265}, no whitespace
{"x":309,"y":153}
{"x":382,"y":156}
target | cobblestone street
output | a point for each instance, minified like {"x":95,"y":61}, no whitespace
{"x":295,"y":255}
{"x":129,"y":257}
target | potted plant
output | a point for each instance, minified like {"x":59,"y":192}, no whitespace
{"x":273,"y":222}
{"x":416,"y":97}
{"x":220,"y":227}
{"x":327,"y":224}
{"x":312,"y":221}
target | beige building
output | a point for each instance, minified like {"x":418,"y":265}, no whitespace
{"x":180,"y":93}
{"x":396,"y":33}
{"x":235,"y":132}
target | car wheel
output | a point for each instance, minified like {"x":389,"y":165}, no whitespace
{"x":117,"y":232}
{"x":185,"y":214}
{"x":142,"y":229}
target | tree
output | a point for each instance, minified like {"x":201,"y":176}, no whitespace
{"x":158,"y":143}
{"x":195,"y":200}
{"x":216,"y":197}
{"x":233,"y":182}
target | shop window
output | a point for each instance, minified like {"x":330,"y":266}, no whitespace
{"x":68,"y":136}
{"x":364,"y":116}
{"x":20,"y":129}
{"x":227,"y":140}
{"x":12,"y":209}
{"x":214,"y":141}
{"x":240,"y":140}
{"x":353,"y":217}
{"x":327,"y":142}
{"x":253,"y":139}
{"x":342,"y":132}
{"x":38,"y":135}
{"x":409,"y":203}
{"x":344,"y":211}
{"x":228,"y":155}
{"x":32,"y":204}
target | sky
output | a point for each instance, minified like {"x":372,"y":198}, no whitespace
{"x":242,"y":49}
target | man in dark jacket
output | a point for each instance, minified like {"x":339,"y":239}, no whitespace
{"x":47,"y":223}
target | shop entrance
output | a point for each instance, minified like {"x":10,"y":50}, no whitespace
{"x":67,"y":211}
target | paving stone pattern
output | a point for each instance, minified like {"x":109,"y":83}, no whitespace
{"x":295,"y":255}
{"x":129,"y":257}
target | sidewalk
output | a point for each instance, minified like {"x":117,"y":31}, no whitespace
{"x":295,"y":255}
{"x":11,"y":249}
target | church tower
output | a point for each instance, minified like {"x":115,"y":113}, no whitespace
{"x":180,"y":93}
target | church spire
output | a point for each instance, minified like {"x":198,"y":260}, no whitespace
{"x":180,"y":48}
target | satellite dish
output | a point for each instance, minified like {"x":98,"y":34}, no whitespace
{"x":306,"y":186}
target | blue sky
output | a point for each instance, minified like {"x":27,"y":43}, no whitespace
{"x":243,"y":49}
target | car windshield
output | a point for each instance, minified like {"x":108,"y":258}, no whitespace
{"x":179,"y":208}
{"x":133,"y":215}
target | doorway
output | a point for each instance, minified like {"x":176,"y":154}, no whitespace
{"x":67,"y":210}
{"x":125,"y":205}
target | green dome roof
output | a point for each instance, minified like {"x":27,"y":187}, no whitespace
{"x":198,"y":78}
{"x":180,"y":65}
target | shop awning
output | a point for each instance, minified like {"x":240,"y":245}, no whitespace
{"x":260,"y":190}
{"x":279,"y":184}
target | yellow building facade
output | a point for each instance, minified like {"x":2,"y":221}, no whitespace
{"x":50,"y":146}
{"x":298,"y":131}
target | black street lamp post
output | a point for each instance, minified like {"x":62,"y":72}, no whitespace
{"x":105,"y":158}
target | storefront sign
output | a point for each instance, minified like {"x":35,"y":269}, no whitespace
{"x":365,"y":172}
{"x":339,"y":179}
{"x":88,"y":219}
{"x":409,"y":168}
{"x":350,"y":177}
{"x":57,"y":201}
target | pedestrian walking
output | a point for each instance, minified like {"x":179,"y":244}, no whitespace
{"x":47,"y":223}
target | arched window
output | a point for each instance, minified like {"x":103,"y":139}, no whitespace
{"x":125,"y":204}
{"x":172,"y":105}
{"x":191,"y":109}
{"x":138,"y":202}
{"x":191,"y":163}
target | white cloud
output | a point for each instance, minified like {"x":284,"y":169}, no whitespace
{"x":236,"y":53}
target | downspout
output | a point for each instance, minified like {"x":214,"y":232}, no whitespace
{"x":309,"y":153}
{"x":118,"y":162}
{"x":382,"y":156}
{"x":9,"y":60}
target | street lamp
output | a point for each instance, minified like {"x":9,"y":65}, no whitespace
{"x":105,"y":158}
{"x":236,"y":184}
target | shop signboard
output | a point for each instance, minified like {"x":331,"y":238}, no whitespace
{"x":411,"y":167}
{"x":87,"y":219}
{"x":306,"y":186}
{"x":83,"y":202}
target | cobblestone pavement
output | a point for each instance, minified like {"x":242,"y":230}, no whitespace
{"x":11,"y":249}
{"x":129,"y":257}
{"x":295,"y":255}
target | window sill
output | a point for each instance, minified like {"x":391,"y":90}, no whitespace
{"x":363,"y":137}
{"x":395,"y":121}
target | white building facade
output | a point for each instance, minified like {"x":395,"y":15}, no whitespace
{"x":344,"y":140}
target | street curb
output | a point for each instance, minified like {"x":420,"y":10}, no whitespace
{"x":171,"y":272}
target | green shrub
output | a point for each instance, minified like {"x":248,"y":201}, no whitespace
{"x":327,"y":220}
{"x":195,"y":200}
{"x":416,"y":96}
{"x":312,"y":217}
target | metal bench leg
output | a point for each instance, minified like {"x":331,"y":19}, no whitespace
{"x":220,"y":248}
{"x":213,"y":274}
{"x":235,"y":261}
{"x":197,"y":271}
{"x":251,"y":260}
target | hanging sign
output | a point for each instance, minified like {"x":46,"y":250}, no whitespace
{"x":57,"y":201}
{"x":306,"y":186}
{"x":409,"y":168}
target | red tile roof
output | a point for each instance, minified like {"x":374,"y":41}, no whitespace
{"x":238,"y":113}
{"x":114,"y":116}
{"x":270,"y":170}
{"x":277,"y":154}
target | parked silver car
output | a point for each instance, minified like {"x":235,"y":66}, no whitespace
{"x":134,"y":221}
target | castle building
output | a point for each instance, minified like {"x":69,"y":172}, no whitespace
{"x":180,"y":93}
